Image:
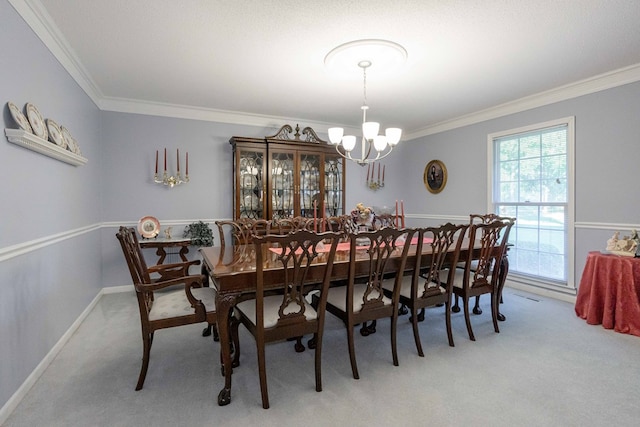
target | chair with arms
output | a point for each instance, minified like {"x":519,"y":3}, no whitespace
{"x":362,"y":301}
{"x":481,"y":273}
{"x":434,"y":286}
{"x":273,"y":317}
{"x":164,"y":303}
{"x":480,"y":219}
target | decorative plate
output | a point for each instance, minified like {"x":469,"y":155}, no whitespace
{"x":76,"y":147}
{"x":37,"y":122}
{"x":67,"y":138}
{"x":148,"y":227}
{"x":251,"y":202}
{"x":249,"y":181}
{"x":19,"y":118}
{"x":54,"y":133}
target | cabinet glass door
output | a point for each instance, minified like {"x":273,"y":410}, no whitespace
{"x":333,"y":185}
{"x":310,"y":185}
{"x":282,"y":185}
{"x":250,"y":184}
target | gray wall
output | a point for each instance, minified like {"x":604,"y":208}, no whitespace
{"x":129,"y":142}
{"x":49,"y":230}
{"x":607,"y":152}
{"x":57,"y":244}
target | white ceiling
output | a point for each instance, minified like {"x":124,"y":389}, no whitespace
{"x":258,"y":62}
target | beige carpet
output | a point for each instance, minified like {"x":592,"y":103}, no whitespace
{"x":546,"y":368}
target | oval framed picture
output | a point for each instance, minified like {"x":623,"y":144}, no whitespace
{"x":435,"y":176}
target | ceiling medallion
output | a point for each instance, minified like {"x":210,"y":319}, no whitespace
{"x":385,"y":56}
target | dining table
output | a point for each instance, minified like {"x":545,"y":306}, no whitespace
{"x":232,"y":272}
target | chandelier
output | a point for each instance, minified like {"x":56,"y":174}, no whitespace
{"x":373,"y":146}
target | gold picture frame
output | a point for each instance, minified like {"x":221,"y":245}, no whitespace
{"x":435,"y":176}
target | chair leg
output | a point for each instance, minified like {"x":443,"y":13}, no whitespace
{"x":403,"y":310}
{"x":416,"y":334}
{"x":468,"y":319}
{"x":211,"y":328}
{"x":235,"y":342}
{"x":420,"y":316}
{"x":299,"y":347}
{"x":216,"y":336}
{"x":494,"y":311}
{"x":318,"y":362}
{"x":447,"y":312}
{"x":394,"y":346}
{"x":262,"y":372}
{"x":456,"y":307}
{"x":147,"y":341}
{"x":312,"y":342}
{"x":476,"y":307}
{"x":352,"y":352}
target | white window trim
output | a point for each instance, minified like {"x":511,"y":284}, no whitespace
{"x":570,"y":123}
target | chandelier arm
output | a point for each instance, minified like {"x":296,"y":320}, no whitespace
{"x":364,"y":160}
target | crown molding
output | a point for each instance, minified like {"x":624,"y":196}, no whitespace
{"x":587,"y":86}
{"x":36,"y":16}
{"x":134,"y":106}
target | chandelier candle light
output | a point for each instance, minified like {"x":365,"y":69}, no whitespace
{"x":364,"y":53}
{"x":172,"y":180}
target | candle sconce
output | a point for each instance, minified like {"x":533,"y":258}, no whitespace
{"x":171,"y":180}
{"x":373,"y":183}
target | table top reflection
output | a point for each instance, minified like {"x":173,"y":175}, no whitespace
{"x":233,"y":268}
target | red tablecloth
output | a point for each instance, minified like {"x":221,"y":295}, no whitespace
{"x":609,"y":292}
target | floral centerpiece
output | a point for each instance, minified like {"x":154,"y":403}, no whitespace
{"x":362,"y":214}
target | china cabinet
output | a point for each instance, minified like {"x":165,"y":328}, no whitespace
{"x":287,"y":175}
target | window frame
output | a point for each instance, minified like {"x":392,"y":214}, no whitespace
{"x":532,"y":280}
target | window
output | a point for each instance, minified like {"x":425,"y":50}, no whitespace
{"x":532,"y":180}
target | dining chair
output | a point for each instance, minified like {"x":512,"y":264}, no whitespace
{"x":164,"y":302}
{"x":256,"y":227}
{"x":481,"y":273}
{"x":385,"y":253}
{"x":274,"y":317}
{"x":431,"y":281}
{"x":342,"y":224}
{"x":384,"y":220}
{"x":232,"y":230}
{"x":480,"y":219}
{"x":293,"y":224}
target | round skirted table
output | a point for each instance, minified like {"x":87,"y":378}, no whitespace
{"x":609,"y":292}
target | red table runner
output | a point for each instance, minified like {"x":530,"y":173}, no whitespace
{"x":345,"y":246}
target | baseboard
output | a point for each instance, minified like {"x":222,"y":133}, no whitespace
{"x":117,"y":289}
{"x":541,"y":291}
{"x":22,"y":391}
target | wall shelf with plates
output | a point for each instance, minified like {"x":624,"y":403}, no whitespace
{"x":31,"y":142}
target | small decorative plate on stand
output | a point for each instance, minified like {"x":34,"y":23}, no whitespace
{"x":55,"y":134}
{"x":37,"y":122}
{"x":20,"y":119}
{"x":148,"y":227}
